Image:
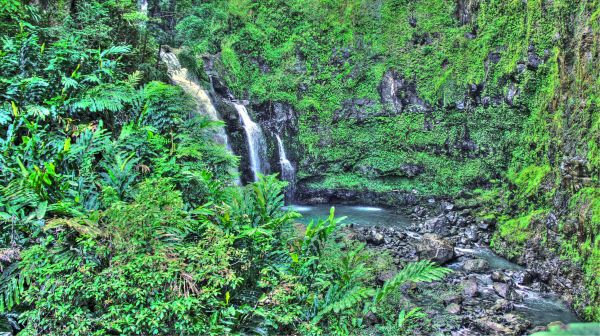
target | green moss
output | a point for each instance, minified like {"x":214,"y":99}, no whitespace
{"x":516,"y":232}
{"x":529,"y":179}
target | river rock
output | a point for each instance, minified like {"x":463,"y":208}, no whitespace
{"x":439,"y":225}
{"x":472,"y":234}
{"x":499,"y":276}
{"x":490,"y":327}
{"x":506,"y":291}
{"x":470,"y":288}
{"x":435,"y":248}
{"x":502,"y":306}
{"x":502,"y":289}
{"x":507,"y":324}
{"x":375,"y":238}
{"x":476,"y":266}
{"x":453,"y":308}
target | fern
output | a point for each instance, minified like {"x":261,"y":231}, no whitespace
{"x":107,"y":97}
{"x":351,"y":298}
{"x":420,"y":271}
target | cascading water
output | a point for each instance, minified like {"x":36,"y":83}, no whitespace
{"x":179,"y":76}
{"x":288,"y":173}
{"x":204,"y":105}
{"x":257,"y":146}
{"x":143,"y":5}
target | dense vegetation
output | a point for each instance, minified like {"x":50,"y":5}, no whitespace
{"x":120,"y":215}
{"x":499,"y":95}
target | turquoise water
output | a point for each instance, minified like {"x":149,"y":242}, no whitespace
{"x":357,"y":215}
{"x":539,"y":308}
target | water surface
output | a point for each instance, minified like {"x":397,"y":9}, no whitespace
{"x":539,"y":308}
{"x":357,"y":214}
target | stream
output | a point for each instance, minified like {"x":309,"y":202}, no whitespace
{"x":537,"y":307}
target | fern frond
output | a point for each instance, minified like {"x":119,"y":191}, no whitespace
{"x":420,"y":271}
{"x":115,"y":50}
{"x":351,"y":298}
{"x":83,"y":226}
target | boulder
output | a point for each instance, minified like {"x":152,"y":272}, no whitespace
{"x":470,"y":288}
{"x":435,"y":248}
{"x":439,"y":225}
{"x":499,"y":276}
{"x":506,"y":291}
{"x":476,"y":266}
{"x":453,"y":309}
{"x":502,"y":306}
{"x":375,"y":238}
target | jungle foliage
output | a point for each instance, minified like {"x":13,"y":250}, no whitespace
{"x":119,"y":215}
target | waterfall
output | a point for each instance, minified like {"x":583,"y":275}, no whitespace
{"x":257,"y":147}
{"x":143,"y":4}
{"x":204,"y":104}
{"x":288,"y":173}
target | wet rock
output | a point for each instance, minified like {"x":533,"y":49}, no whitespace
{"x":502,"y":306}
{"x":499,"y":276}
{"x":507,"y":324}
{"x":470,"y":288}
{"x":506,"y":291}
{"x":453,"y":308}
{"x":375,"y":238}
{"x":490,"y":327}
{"x":502,"y":289}
{"x":524,"y":278}
{"x":435,"y":248}
{"x":398,"y":94}
{"x":472,"y":234}
{"x":438,"y":225}
{"x":476,"y":266}
{"x":419,"y":211}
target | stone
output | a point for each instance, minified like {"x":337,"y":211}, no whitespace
{"x":490,"y":327}
{"x":470,"y":288}
{"x":375,"y":238}
{"x":502,"y":306}
{"x":506,"y":291}
{"x":435,"y":248}
{"x":446,"y":206}
{"x":472,"y":234}
{"x":439,"y":225}
{"x":476,"y":266}
{"x":555,"y":324}
{"x":452,"y":299}
{"x":499,"y":276}
{"x":502,"y":289}
{"x":453,"y":308}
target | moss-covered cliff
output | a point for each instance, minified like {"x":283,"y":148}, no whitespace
{"x":436,"y":96}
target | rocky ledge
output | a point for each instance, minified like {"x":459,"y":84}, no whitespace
{"x":485,"y":295}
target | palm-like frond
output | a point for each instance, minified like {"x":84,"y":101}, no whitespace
{"x":420,"y":271}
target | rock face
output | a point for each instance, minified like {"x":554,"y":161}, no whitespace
{"x":399,"y":95}
{"x":435,"y":248}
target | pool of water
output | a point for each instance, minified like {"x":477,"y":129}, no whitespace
{"x":539,"y":308}
{"x":357,"y":215}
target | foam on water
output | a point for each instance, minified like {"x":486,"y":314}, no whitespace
{"x":367,"y":208}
